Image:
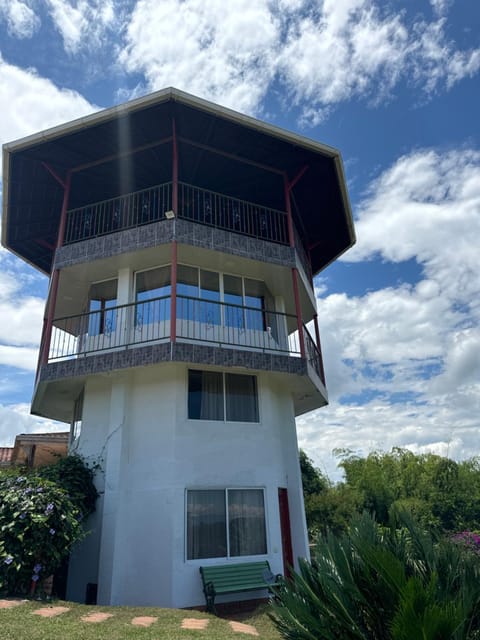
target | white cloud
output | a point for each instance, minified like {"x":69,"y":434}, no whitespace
{"x":15,"y":419}
{"x":83,"y":23}
{"x":322,"y":53}
{"x":420,"y":342}
{"x":30,"y":103}
{"x":22,"y":21}
{"x":224,"y":51}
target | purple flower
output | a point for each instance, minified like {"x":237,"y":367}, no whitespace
{"x":21,"y":479}
{"x":49,"y":508}
{"x":27,"y":491}
{"x":37,"y":568}
{"x":22,"y":516}
{"x":35,"y":577}
{"x":52,"y":532}
{"x":8,"y":560}
{"x":39,"y":490}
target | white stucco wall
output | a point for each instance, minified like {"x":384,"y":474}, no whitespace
{"x":152,"y":454}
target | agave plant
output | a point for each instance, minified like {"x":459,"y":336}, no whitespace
{"x":381,"y":583}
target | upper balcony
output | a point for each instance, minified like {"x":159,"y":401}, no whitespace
{"x":202,"y":206}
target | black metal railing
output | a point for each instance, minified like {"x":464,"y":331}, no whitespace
{"x":116,"y":214}
{"x":198,"y":320}
{"x":314,"y":355}
{"x":223,"y":212}
{"x":195,"y":204}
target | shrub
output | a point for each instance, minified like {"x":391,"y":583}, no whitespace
{"x":381,"y":583}
{"x":40,"y":520}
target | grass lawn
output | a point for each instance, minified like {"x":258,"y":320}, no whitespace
{"x":20,"y":623}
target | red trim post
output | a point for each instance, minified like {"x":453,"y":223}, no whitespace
{"x":298,"y":311}
{"x":317,"y":331}
{"x":173,"y":297}
{"x":53,"y":289}
{"x":174,"y":169}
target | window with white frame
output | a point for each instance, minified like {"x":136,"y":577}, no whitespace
{"x":225,"y":523}
{"x":213,"y":395}
{"x":76,"y":424}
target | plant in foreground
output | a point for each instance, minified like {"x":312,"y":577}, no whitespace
{"x":38,"y":525}
{"x":382,"y":583}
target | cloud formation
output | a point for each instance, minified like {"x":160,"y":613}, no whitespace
{"x":411,"y":353}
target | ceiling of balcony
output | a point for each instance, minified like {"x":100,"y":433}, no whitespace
{"x":127,"y":148}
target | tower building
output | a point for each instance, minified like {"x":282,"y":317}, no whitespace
{"x":180,"y":337}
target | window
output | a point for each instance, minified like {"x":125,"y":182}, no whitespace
{"x":102,"y":303}
{"x":222,"y":396}
{"x":152,"y":295}
{"x":76,"y":424}
{"x":224,"y":523}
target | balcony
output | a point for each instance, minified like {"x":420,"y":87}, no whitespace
{"x":194,"y":204}
{"x":197,"y":321}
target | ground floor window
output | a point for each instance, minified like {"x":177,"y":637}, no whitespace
{"x":223,"y":523}
{"x":222,"y":396}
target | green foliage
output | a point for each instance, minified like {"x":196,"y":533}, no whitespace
{"x":40,"y":519}
{"x":38,"y":525}
{"x":76,"y":478}
{"x":440,"y":493}
{"x":381,"y":583}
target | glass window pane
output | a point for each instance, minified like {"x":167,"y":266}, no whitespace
{"x":210,"y":312}
{"x":232,"y":292}
{"x":241,"y":398}
{"x":206,"y":524}
{"x":246,"y":522}
{"x":152,"y":296}
{"x":205,"y":395}
{"x":187,"y":281}
{"x":102,"y":297}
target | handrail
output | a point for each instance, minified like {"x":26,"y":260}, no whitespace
{"x":198,"y":319}
{"x":194,"y":203}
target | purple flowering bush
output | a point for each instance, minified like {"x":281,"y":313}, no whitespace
{"x":38,"y":525}
{"x":468,"y":540}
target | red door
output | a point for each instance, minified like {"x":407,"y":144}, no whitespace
{"x":287,"y":550}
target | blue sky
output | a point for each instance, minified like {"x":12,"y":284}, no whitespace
{"x":395,"y":86}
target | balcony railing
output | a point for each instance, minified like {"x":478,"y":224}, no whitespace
{"x":200,"y":321}
{"x":117,"y":214}
{"x":199,"y":205}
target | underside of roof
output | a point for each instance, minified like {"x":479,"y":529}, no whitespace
{"x":128,"y":148}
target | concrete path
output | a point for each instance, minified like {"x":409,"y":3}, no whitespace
{"x":96,"y":617}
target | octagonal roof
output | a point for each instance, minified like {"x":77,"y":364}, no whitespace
{"x":253,"y":155}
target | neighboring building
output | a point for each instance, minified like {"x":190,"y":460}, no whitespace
{"x":181,"y":240}
{"x":35,"y":449}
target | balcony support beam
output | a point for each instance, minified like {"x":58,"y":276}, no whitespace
{"x":298,"y":311}
{"x":53,"y":288}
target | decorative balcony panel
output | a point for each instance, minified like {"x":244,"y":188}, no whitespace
{"x":198,"y":321}
{"x":195,"y":204}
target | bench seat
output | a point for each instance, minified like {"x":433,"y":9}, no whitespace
{"x":235,"y":578}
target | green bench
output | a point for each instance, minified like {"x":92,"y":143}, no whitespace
{"x":235,"y":578}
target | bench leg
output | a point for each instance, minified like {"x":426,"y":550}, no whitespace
{"x":210,"y":598}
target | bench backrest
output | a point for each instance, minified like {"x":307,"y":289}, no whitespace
{"x":236,"y":576}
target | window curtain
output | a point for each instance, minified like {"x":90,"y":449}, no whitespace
{"x":206,"y":524}
{"x":205,"y":395}
{"x":241,"y":398}
{"x":246,"y":522}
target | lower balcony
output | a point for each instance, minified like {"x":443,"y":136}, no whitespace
{"x":202,"y":332}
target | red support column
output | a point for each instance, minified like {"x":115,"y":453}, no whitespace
{"x":173,"y":297}
{"x":317,"y":331}
{"x":53,"y":288}
{"x":298,"y":311}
